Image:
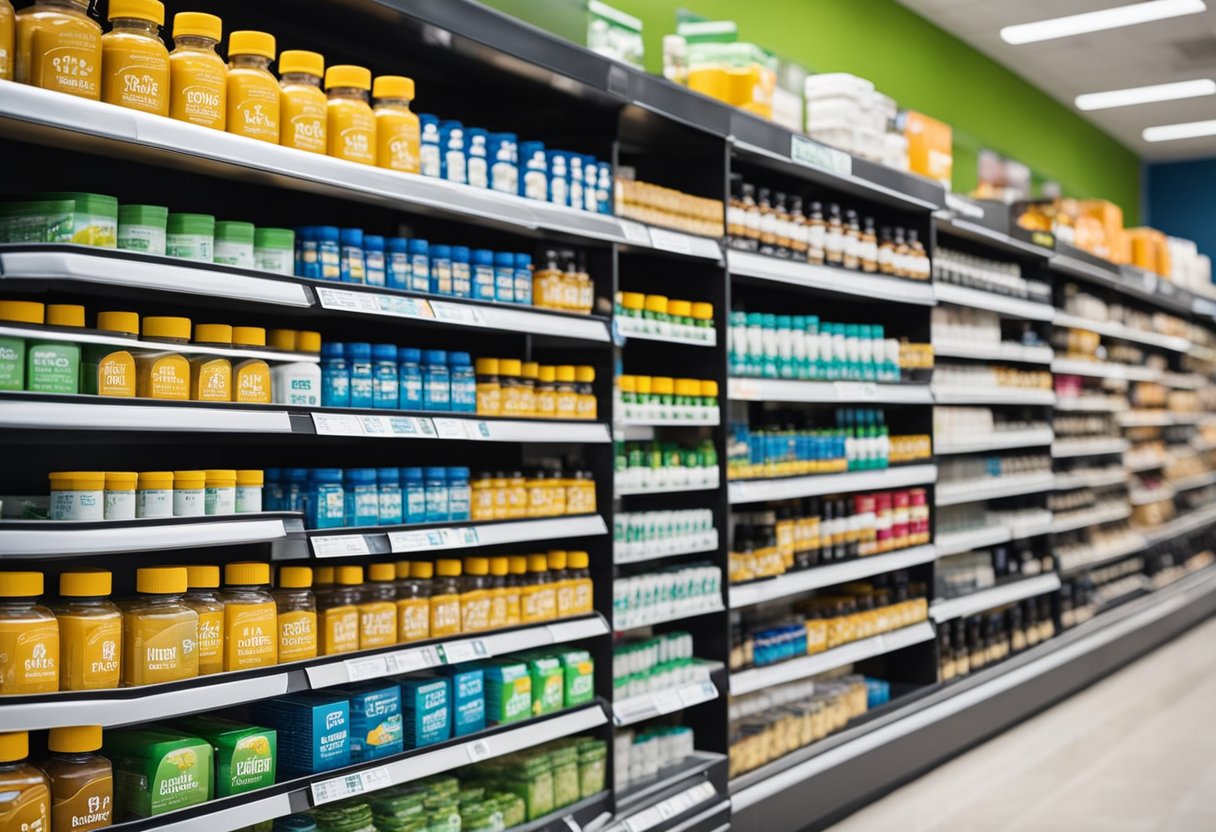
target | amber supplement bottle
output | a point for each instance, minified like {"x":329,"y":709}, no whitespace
{"x":82,"y":782}
{"x":202,"y":583}
{"x":29,"y":638}
{"x":25,"y":793}
{"x":90,"y":632}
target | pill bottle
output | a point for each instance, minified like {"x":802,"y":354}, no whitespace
{"x":585,"y":405}
{"x":428,"y":145}
{"x":250,"y":617}
{"x":58,"y":48}
{"x":459,"y":495}
{"x":409,"y":378}
{"x":463,"y":382}
{"x":483,"y":274}
{"x":104,"y":369}
{"x":251,"y":377}
{"x":219,"y":496}
{"x":567,"y":394}
{"x":438,"y":505}
{"x":475,"y":595}
{"x":362,"y":499}
{"x":302,"y":118}
{"x":253,"y":93}
{"x":154,"y":494}
{"x":445,"y":598}
{"x":414,"y":600}
{"x":388,"y":486}
{"x":373,"y":260}
{"x":397,"y":263}
{"x":338,"y":612}
{"x":441,"y":270}
{"x":504,"y":277}
{"x":77,"y":495}
{"x":351,"y":265}
{"x":563,"y":586}
{"x":160,"y":631}
{"x":134,"y":60}
{"x":299,"y":382}
{"x":90,"y":631}
{"x":329,"y":252}
{"x":335,"y":375}
{"x":326,"y":501}
{"x":234,"y":244}
{"x":546,"y":392}
{"x":452,"y":158}
{"x":397,"y":128}
{"x":197,"y":87}
{"x":120,"y":495}
{"x":362,"y":381}
{"x":462,"y":275}
{"x":499,"y":569}
{"x":477,"y":165}
{"x":482,"y":497}
{"x":579,"y":573}
{"x":12,"y":350}
{"x":517,"y":576}
{"x":29,"y":636}
{"x":420,"y":266}
{"x":211,"y":375}
{"x":522,"y":292}
{"x":500,"y":488}
{"x":413,"y":486}
{"x":189,"y":493}
{"x":517,"y":496}
{"x":142,"y":227}
{"x":54,"y":366}
{"x":296,"y":607}
{"x":202,"y":586}
{"x":489,"y":390}
{"x":26,"y":788}
{"x":81,"y":781}
{"x":249,"y":486}
{"x":529,"y":376}
{"x":537,"y":597}
{"x":350,"y":122}
{"x":385,"y":389}
{"x":378,"y":607}
{"x":510,"y":379}
{"x":436,"y":381}
{"x":190,"y":237}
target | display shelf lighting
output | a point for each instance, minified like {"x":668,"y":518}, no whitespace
{"x":1098,"y":21}
{"x":1146,"y":95}
{"x":1184,"y":130}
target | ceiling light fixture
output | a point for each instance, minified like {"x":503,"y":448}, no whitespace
{"x":1079,"y":24}
{"x":1173,"y":132}
{"x":1146,"y":95}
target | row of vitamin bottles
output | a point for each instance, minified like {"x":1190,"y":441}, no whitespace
{"x":182,"y":624}
{"x":55,"y":45}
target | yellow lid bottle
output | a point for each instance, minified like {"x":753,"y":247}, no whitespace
{"x":414,"y":600}
{"x":445,"y":599}
{"x":350,"y":122}
{"x":27,"y":790}
{"x":29,"y":636}
{"x":251,"y":377}
{"x":197,"y":89}
{"x":297,"y":612}
{"x":489,"y":389}
{"x":537,"y":598}
{"x":159,"y":631}
{"x":301,"y":101}
{"x":202,"y":584}
{"x":397,"y":127}
{"x":90,"y":631}
{"x":378,"y":607}
{"x":510,"y":377}
{"x":82,"y":781}
{"x":500,"y":568}
{"x":529,"y":373}
{"x":104,"y":370}
{"x":134,"y":60}
{"x":546,"y":392}
{"x":475,"y":595}
{"x":253,"y":93}
{"x":563,"y":587}
{"x":251,"y":630}
{"x":211,"y":375}
{"x":164,"y":375}
{"x":567,"y":396}
{"x":59,"y":48}
{"x":8,"y":36}
{"x":337,"y":610}
{"x":579,"y":567}
{"x":517,"y":572}
{"x":585,"y":404}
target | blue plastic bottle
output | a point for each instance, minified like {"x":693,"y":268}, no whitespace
{"x":452,"y":162}
{"x":420,"y":266}
{"x":414,"y":492}
{"x":437,"y":510}
{"x":428,"y":149}
{"x":384,"y":376}
{"x":329,"y":252}
{"x":462,"y":275}
{"x":335,"y":375}
{"x":296,"y":484}
{"x":523,"y":279}
{"x":458,"y":494}
{"x":483,"y":274}
{"x":362,"y":383}
{"x":504,"y":277}
{"x":441,"y":270}
{"x":436,"y":381}
{"x":576,"y":180}
{"x":477,"y":167}
{"x":326,"y":501}
{"x":272,"y":489}
{"x":373,"y":260}
{"x":409,"y":378}
{"x":501,"y":152}
{"x":362,"y":500}
{"x":397,"y":263}
{"x":351,"y":262}
{"x":463,"y":383}
{"x":559,"y":177}
{"x":388,"y":481}
{"x":533,"y":171}
{"x":308,"y":264}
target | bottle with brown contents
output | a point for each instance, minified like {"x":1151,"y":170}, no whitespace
{"x":81,"y":781}
{"x":918,"y":261}
{"x":751,"y":218}
{"x":869,"y":247}
{"x":768,"y":223}
{"x":900,"y":255}
{"x":816,"y":235}
{"x":833,"y":244}
{"x":886,"y":252}
{"x":798,"y":230}
{"x":784,"y":243}
{"x":735,"y":215}
{"x":25,"y":793}
{"x":852,"y":241}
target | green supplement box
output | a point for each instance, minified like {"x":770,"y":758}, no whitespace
{"x":37,"y":221}
{"x":244,"y":755}
{"x":52,"y":367}
{"x":579,"y":672}
{"x":531,"y":777}
{"x":508,"y":692}
{"x":91,"y":219}
{"x":548,"y":683}
{"x":563,"y":760}
{"x":158,"y":770}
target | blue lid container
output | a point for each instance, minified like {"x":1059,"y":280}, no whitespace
{"x":326,"y":233}
{"x":327,"y":475}
{"x":333,"y":349}
{"x":409,"y":354}
{"x":441,"y":252}
{"x":418,"y":246}
{"x":352,"y":237}
{"x":359,"y":350}
{"x":505,"y":259}
{"x":384,"y":352}
{"x":436,"y":473}
{"x":396,"y":245}
{"x":373,"y":242}
{"x":456,"y":359}
{"x":411,"y":474}
{"x":436,"y":356}
{"x":360,"y":476}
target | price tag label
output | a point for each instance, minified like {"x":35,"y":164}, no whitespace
{"x":670,"y":241}
{"x":369,"y":668}
{"x":376,"y":425}
{"x":337,"y":424}
{"x":408,"y":661}
{"x":450,"y":428}
{"x":635,"y":709}
{"x":404,"y":307}
{"x":404,"y":426}
{"x":478,"y":430}
{"x":418,"y":541}
{"x":463,"y":651}
{"x":668,"y":701}
{"x":479,"y":750}
{"x":815,"y":155}
{"x":457,"y":313}
{"x":327,"y":791}
{"x":856,"y":391}
{"x":340,"y":545}
{"x":376,"y":778}
{"x":347,"y":301}
{"x":635,"y":233}
{"x":425,"y":426}
{"x":696,"y":694}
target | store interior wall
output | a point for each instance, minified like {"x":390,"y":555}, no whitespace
{"x":907,"y":57}
{"x":1180,"y":199}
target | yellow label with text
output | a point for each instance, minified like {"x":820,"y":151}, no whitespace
{"x":251,"y":382}
{"x":413,"y":619}
{"x":339,"y":630}
{"x":159,"y":648}
{"x":377,"y":624}
{"x":445,"y":615}
{"x":90,"y":648}
{"x":29,"y":655}
{"x":297,"y":636}
{"x":210,"y":643}
{"x":116,"y":375}
{"x":163,"y":377}
{"x":250,"y":635}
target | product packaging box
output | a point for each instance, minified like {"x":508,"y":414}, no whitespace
{"x":244,"y":755}
{"x":425,"y":710}
{"x":375,"y":720}
{"x":313,"y":730}
{"x":508,"y":692}
{"x":548,"y":683}
{"x":579,"y":672}
{"x":468,"y":698}
{"x":158,"y":770}
{"x":930,"y":146}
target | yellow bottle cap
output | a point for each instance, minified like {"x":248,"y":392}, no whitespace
{"x":510,"y":366}
{"x":703,"y":311}
{"x":348,"y":575}
{"x":249,"y":336}
{"x":173,"y":329}
{"x":477,"y":566}
{"x":324,"y":576}
{"x":280,"y":339}
{"x":250,"y":477}
{"x":645,"y":384}
{"x":247,"y":573}
{"x":302,"y":61}
{"x":709,"y":388}
{"x":65,"y":314}
{"x":519,"y":564}
{"x":422,"y":569}
{"x":687,"y":387}
{"x":22,"y":312}
{"x":557,"y":560}
{"x":212,"y":334}
{"x":295,"y":577}
{"x":656,"y":303}
{"x":663,"y":385}
{"x":78,"y":480}
{"x":565,"y":373}
{"x":189,"y":480}
{"x":152,"y":480}
{"x":547,"y":374}
{"x":448,"y":568}
{"x":401,"y":569}
{"x":627,"y":384}
{"x":220,"y":478}
{"x":251,"y":43}
{"x":202,"y":577}
{"x":579,"y":560}
{"x":198,"y":24}
{"x":161,"y":580}
{"x":14,"y":746}
{"x":584,"y":374}
{"x":633,"y":300}
{"x":679,"y":308}
{"x":345,"y":75}
{"x":500,"y":566}
{"x":78,"y":738}
{"x":530,"y":369}
{"x":486,"y":366}
{"x":308,"y":341}
{"x":381,"y":572}
{"x":124,"y":322}
{"x":152,"y":10}
{"x":538,"y":563}
{"x":20,"y":584}
{"x":393,"y":86}
{"x":121,"y":480}
{"x":85,"y":583}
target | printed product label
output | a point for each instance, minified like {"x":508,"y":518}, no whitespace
{"x":189,"y":502}
{"x":120,"y":505}
{"x":250,"y":635}
{"x":28,"y":810}
{"x":413,"y":619}
{"x":273,"y":260}
{"x":69,"y":60}
{"x":116,"y":375}
{"x":210,"y":643}
{"x":91,"y":807}
{"x":144,"y":238}
{"x":29,"y":656}
{"x":214,"y":381}
{"x":166,"y":378}
{"x":297,"y":636}
{"x":377,"y":624}
{"x":52,"y":369}
{"x":160,"y":649}
{"x":256,"y":113}
{"x":474,"y":611}
{"x":253,"y":383}
{"x":445,"y":615}
{"x":89,"y":649}
{"x":234,"y":254}
{"x":219,"y":500}
{"x":154,"y":502}
{"x":183,"y":778}
{"x":190,"y":247}
{"x":77,"y":505}
{"x":428,"y":159}
{"x":248,"y":499}
{"x":303,"y":126}
{"x":339,"y":630}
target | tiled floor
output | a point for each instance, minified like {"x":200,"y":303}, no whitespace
{"x":1134,"y":753}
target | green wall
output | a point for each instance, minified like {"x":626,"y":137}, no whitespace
{"x":921,"y":66}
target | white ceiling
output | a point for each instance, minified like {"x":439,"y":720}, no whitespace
{"x":1179,"y":49}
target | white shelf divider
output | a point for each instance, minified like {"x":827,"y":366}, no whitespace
{"x":973,"y":491}
{"x":790,"y":390}
{"x":1001,"y":304}
{"x":996,"y":596}
{"x":756,"y":491}
{"x":830,"y":279}
{"x":998,"y":441}
{"x":804,"y":580}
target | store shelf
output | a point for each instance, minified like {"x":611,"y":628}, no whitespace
{"x":55,"y":539}
{"x":647,"y":550}
{"x":1067,"y":563}
{"x":748,"y":681}
{"x":710,"y":419}
{"x":804,"y":580}
{"x":1197,"y":481}
{"x":998,"y":441}
{"x":1103,"y":369}
{"x":789,"y":390}
{"x":829,"y":278}
{"x":634,"y":709}
{"x":788,"y":488}
{"x":999,"y":242}
{"x":993,"y":597}
{"x":1004,"y":351}
{"x":955,"y":543}
{"x":668,"y":241}
{"x":696,"y":766}
{"x":1090,"y":517}
{"x":337,"y":422}
{"x":990,"y":301}
{"x":1137,"y":463}
{"x":1114,"y":329}
{"x":579,"y":815}
{"x":1145,"y":419}
{"x":992,"y":395}
{"x":665,"y":815}
{"x":623,"y":622}
{"x":1183,"y":524}
{"x":1088,"y":446}
{"x":380,"y":540}
{"x":1068,"y":480}
{"x":668,"y":333}
{"x":622,"y":491}
{"x":1144,"y":496}
{"x":991,"y":488}
{"x":1092,"y":404}
{"x":80,"y":336}
{"x":1129,"y":281}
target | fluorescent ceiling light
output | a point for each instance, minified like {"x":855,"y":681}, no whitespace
{"x":1146,"y":95}
{"x":1173,"y":132}
{"x":1079,"y":24}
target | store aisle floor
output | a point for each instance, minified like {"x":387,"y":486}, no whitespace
{"x":1132,"y":753}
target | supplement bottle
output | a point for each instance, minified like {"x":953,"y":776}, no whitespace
{"x":563,"y":588}
{"x":585,"y":405}
{"x":134,"y":60}
{"x":397,"y":128}
{"x":253,"y":93}
{"x":385,"y":387}
{"x":510,"y":379}
{"x":475,"y":595}
{"x":579,"y":573}
{"x":90,"y":632}
{"x":438,"y":502}
{"x":301,"y":101}
{"x":189,"y":493}
{"x":445,"y":599}
{"x":414,"y":600}
{"x":529,"y":376}
{"x":436,"y":381}
{"x":516,"y":578}
{"x":546,"y":392}
{"x":248,"y":491}
{"x":462,"y":275}
{"x":362,"y":499}
{"x":250,"y":619}
{"x":378,"y":607}
{"x":335,"y":375}
{"x":413,"y":488}
{"x":409,"y":378}
{"x":350,"y":122}
{"x":154,"y":494}
{"x":566,"y":394}
{"x":297,"y":614}
{"x":362,"y":383}
{"x":29,"y":637}
{"x":160,"y":631}
{"x":233,"y":244}
{"x":388,"y":488}
{"x":197,"y":87}
{"x":164,"y":375}
{"x":537,"y":596}
{"x":489,"y":391}
{"x":459,"y":494}
{"x":59,"y":48}
{"x":81,"y":781}
{"x":25,"y":793}
{"x":202,"y":583}
{"x":190,"y":237}
{"x":54,"y":366}
{"x":500,"y":567}
{"x":351,"y":265}
{"x":251,"y":377}
{"x":211,"y":375}
{"x":463,"y":381}
{"x":8,"y":33}
{"x":373,"y":260}
{"x":299,"y":382}
{"x":219,"y":493}
{"x":338,"y":613}
{"x":12,"y":350}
